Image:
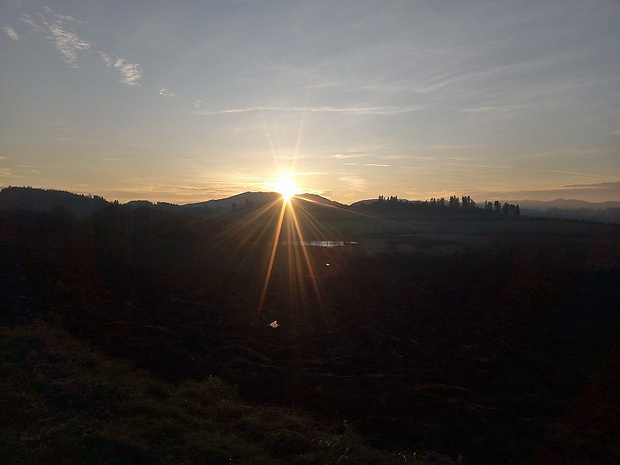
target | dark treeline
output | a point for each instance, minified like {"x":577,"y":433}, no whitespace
{"x":31,"y":198}
{"x":464,"y":204}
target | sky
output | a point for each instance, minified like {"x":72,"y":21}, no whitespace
{"x":186,"y":101}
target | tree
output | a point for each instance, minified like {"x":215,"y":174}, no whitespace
{"x":468,"y":203}
{"x":497,"y":207}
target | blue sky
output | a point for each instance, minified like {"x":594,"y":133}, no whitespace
{"x":192,"y":100}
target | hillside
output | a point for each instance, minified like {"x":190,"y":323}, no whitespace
{"x":65,"y":402}
{"x":471,"y":335}
{"x":29,"y":198}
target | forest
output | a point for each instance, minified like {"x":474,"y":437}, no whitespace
{"x":431,"y":332}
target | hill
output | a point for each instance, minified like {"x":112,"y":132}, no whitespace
{"x":29,"y":198}
{"x":65,"y":401}
{"x":239,"y":200}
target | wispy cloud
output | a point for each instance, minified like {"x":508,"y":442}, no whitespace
{"x":488,"y":109}
{"x":597,"y":192}
{"x":341,"y":156}
{"x":107,"y":59}
{"x":11,"y":33}
{"x":380,"y":111}
{"x":166,"y":92}
{"x":404,"y":157}
{"x":615,"y":186}
{"x":354,"y":183}
{"x":27,"y":19}
{"x":130,"y":72}
{"x":66,"y":42}
{"x":72,"y":48}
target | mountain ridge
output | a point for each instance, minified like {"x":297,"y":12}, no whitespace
{"x":83,"y":205}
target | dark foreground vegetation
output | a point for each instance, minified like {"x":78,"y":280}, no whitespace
{"x":143,"y":335}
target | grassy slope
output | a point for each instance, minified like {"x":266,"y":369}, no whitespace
{"x":64,"y":402}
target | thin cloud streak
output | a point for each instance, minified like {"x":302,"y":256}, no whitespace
{"x":341,"y":156}
{"x":378,"y":111}
{"x":355,"y":183}
{"x":11,"y":33}
{"x":598,"y":192}
{"x":166,"y":92}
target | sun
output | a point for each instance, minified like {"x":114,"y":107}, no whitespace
{"x":287,"y":187}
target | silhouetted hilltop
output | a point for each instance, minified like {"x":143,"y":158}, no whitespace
{"x":30,"y":198}
{"x":259,"y":199}
{"x":255,"y":198}
{"x":140,"y":204}
{"x":318,"y":199}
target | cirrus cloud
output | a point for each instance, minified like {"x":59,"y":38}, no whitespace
{"x":72,"y":48}
{"x":130,"y":72}
{"x":11,"y":33}
{"x":166,"y":92}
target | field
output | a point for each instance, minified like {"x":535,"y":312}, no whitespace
{"x":483,"y":339}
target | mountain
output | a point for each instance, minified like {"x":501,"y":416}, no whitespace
{"x":147,"y":204}
{"x":565,"y":204}
{"x":607,"y":212}
{"x":255,"y":198}
{"x":317,"y":199}
{"x":258,"y":199}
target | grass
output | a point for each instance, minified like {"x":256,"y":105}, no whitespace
{"x":64,"y":402}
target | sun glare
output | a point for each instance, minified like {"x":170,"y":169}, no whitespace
{"x":287,"y":187}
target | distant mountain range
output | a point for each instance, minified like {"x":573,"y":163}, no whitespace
{"x":608,"y":212}
{"x":565,"y":204}
{"x":30,"y":198}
